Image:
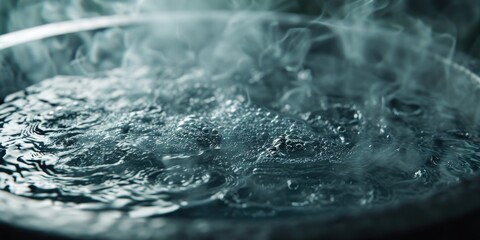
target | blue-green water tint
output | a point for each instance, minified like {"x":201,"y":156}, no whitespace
{"x":180,"y":143}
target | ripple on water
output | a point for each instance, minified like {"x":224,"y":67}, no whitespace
{"x":189,"y":147}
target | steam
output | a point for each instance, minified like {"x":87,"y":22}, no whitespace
{"x":369,"y":15}
{"x":369,"y":74}
{"x":243,"y":46}
{"x":343,"y":34}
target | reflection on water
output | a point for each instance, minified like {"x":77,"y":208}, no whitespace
{"x":178,"y":142}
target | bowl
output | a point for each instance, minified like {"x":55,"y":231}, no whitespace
{"x":91,"y":47}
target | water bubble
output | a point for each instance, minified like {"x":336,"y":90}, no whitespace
{"x":232,"y":143}
{"x":206,"y":130}
{"x":402,"y":108}
{"x":292,"y":185}
{"x":200,"y":130}
{"x":294,"y":144}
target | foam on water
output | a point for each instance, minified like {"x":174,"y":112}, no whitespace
{"x":179,"y":142}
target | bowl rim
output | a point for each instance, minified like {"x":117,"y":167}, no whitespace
{"x":18,"y":37}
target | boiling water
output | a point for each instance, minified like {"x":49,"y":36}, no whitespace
{"x":178,"y":142}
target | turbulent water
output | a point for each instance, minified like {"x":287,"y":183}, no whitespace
{"x":181,"y":143}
